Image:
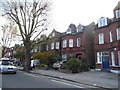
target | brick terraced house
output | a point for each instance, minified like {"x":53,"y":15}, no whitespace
{"x":53,"y":43}
{"x":78,"y":42}
{"x":107,"y":42}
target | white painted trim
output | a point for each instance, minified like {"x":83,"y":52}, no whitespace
{"x":114,"y":66}
{"x":115,"y":71}
{"x":97,"y":69}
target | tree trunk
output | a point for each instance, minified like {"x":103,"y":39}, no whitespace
{"x":27,"y":56}
{"x":3,"y":51}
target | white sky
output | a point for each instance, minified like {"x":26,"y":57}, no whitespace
{"x":85,"y":12}
{"x":65,"y":12}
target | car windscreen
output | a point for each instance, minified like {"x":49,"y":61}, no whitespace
{"x":5,"y":63}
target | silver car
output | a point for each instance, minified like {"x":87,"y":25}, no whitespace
{"x":7,"y":67}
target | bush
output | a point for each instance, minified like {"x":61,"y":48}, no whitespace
{"x":47,"y":57}
{"x":84,"y":67}
{"x":43,"y":66}
{"x":73,"y":65}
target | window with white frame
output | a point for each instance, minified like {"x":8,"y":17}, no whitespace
{"x":102,"y":22}
{"x":64,"y":43}
{"x":57,"y":45}
{"x":52,"y":46}
{"x":113,"y":58}
{"x":111,"y":37}
{"x":99,"y":57}
{"x":119,"y":57}
{"x":117,"y":13}
{"x":47,"y":47}
{"x":64,"y":57}
{"x":78,"y":42}
{"x":70,"y":42}
{"x":101,"y":38}
{"x":69,"y":31}
{"x":102,"y":56}
{"x":118,"y":33}
{"x":53,"y":34}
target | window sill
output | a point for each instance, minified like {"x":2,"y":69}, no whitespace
{"x":114,"y":66}
{"x":99,"y":63}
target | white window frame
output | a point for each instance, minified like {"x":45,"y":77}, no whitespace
{"x":113,"y":58}
{"x":70,"y":42}
{"x":64,"y":57}
{"x":117,"y":13}
{"x":111,"y":36}
{"x":118,"y":33}
{"x":47,"y":47}
{"x":101,"y":38}
{"x":102,"y":22}
{"x":52,"y":45}
{"x":57,"y":45}
{"x":119,"y":58}
{"x":64,"y":43}
{"x":78,"y":42}
{"x":53,"y":34}
{"x":80,"y":28}
{"x":99,"y":57}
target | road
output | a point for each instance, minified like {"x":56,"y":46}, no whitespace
{"x":28,"y":80}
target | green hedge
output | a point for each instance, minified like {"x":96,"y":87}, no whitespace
{"x":73,"y":65}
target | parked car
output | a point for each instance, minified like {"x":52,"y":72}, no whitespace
{"x":6,"y":66}
{"x":35,"y":63}
{"x":58,"y":64}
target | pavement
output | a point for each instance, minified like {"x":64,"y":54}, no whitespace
{"x":93,"y":78}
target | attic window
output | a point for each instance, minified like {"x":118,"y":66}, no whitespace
{"x":117,"y":13}
{"x":53,"y":34}
{"x":69,"y":31}
{"x":80,"y":28}
{"x":102,"y":22}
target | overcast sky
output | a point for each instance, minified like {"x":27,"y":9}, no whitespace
{"x":65,"y":12}
{"x":85,"y":12}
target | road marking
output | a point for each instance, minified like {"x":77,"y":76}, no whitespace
{"x":31,"y":75}
{"x":67,"y":84}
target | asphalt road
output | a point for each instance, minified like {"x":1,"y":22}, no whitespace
{"x":28,"y":80}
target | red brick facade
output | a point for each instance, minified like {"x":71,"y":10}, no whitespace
{"x":74,"y":50}
{"x":86,"y":49}
{"x":111,"y":47}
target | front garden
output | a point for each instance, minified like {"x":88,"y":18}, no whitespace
{"x":73,"y":65}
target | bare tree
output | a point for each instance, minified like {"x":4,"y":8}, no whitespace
{"x":31,"y":18}
{"x":8,"y":33}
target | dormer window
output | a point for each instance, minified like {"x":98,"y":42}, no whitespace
{"x":69,"y":31}
{"x":80,"y":28}
{"x":117,"y":13}
{"x":102,"y":22}
{"x":53,"y":34}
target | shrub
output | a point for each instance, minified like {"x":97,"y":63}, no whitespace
{"x":84,"y":67}
{"x":47,"y":57}
{"x":43,"y":66}
{"x":73,"y":65}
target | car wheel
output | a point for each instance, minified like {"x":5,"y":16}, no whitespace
{"x":56,"y":68}
{"x":15,"y":72}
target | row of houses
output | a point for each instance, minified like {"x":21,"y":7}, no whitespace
{"x":97,"y":44}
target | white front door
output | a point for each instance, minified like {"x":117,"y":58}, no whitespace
{"x":113,"y":58}
{"x":119,"y":57}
